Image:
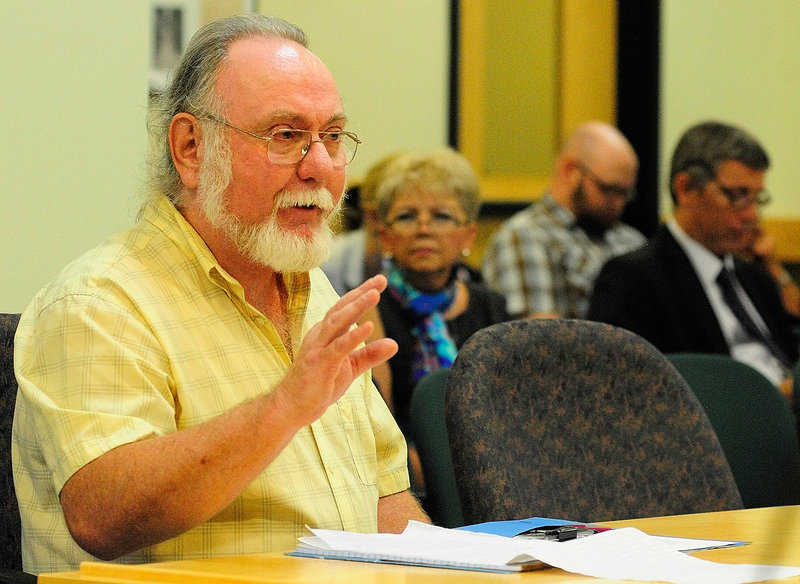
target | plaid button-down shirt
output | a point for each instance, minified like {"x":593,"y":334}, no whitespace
{"x":146,"y":335}
{"x":542,"y":262}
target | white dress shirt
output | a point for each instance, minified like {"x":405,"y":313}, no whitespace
{"x":743,"y":346}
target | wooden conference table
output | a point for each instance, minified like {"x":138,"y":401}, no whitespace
{"x":774,"y":533}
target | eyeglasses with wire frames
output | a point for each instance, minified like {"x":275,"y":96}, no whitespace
{"x":438,"y":222}
{"x":289,"y":146}
{"x":740,"y":198}
{"x":610,"y":191}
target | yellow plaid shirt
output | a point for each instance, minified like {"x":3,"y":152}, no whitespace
{"x":146,"y":335}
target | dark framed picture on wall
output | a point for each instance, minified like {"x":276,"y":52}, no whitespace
{"x":172,"y":23}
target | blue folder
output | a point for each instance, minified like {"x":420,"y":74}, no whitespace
{"x":514,"y":527}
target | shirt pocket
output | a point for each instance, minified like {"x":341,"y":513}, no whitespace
{"x":360,"y":437}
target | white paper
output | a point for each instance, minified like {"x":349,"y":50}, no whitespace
{"x":690,"y":544}
{"x":624,"y":553}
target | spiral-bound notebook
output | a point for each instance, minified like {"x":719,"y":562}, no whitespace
{"x":419,"y":545}
{"x":623,"y":553}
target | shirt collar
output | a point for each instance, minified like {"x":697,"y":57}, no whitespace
{"x":162,"y":213}
{"x":560,"y":213}
{"x":705,"y":263}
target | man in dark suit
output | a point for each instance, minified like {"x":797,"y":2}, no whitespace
{"x":685,"y":291}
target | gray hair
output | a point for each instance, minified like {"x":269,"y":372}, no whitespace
{"x":192,"y":84}
{"x":443,"y":171}
{"x":705,"y":146}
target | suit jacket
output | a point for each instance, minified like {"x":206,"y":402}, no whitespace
{"x":655,"y":292}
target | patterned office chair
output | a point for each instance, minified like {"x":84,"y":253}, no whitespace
{"x":10,"y":531}
{"x":754,"y":424}
{"x":578,"y":420}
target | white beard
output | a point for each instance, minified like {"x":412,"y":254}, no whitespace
{"x":270,"y":245}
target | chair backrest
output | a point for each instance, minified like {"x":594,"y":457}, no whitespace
{"x":754,"y":423}
{"x":578,"y":420}
{"x":10,"y":534}
{"x":429,"y":432}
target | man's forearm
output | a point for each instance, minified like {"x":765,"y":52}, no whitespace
{"x":394,"y":512}
{"x":145,"y":492}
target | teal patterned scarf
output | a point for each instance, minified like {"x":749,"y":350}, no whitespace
{"x":434,"y":348}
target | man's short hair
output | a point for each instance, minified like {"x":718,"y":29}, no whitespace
{"x":705,"y":146}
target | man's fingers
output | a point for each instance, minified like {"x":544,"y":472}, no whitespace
{"x":349,"y":340}
{"x":334,"y":350}
{"x":341,"y":318}
{"x":368,"y":289}
{"x":346,"y":349}
{"x":371,"y":355}
{"x":351,"y":307}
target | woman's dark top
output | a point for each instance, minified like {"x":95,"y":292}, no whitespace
{"x":485,"y":307}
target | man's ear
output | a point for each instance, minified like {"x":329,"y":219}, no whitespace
{"x":184,"y":144}
{"x":570,"y":171}
{"x":683,"y":187}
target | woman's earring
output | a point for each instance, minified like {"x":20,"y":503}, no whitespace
{"x":388,"y":255}
{"x":465,"y":252}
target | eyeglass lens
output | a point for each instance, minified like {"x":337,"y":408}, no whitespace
{"x":438,"y":222}
{"x":740,"y":198}
{"x":290,"y":146}
{"x":611,"y":190}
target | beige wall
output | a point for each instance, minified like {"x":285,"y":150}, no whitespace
{"x":736,"y":60}
{"x":391,"y":62}
{"x":74,"y":91}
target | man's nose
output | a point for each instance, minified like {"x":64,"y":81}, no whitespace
{"x":749,"y":212}
{"x":316,"y":162}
